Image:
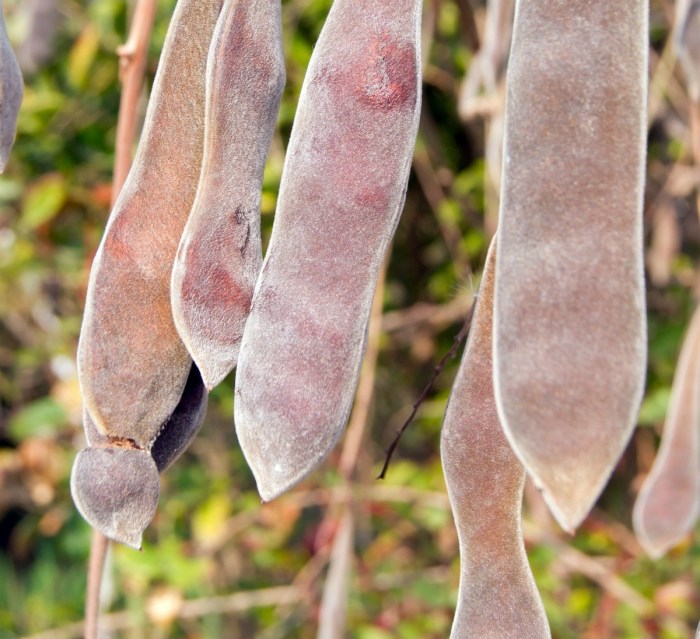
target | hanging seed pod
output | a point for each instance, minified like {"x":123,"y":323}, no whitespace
{"x":132,"y":363}
{"x":220,"y":256}
{"x":667,"y":506}
{"x":497,"y":593}
{"x":341,"y":196}
{"x":570,"y":332}
{"x":11,"y":91}
{"x":686,"y":36}
{"x":113,"y":483}
{"x":133,"y":367}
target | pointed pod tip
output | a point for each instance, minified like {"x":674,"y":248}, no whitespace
{"x":568,"y":506}
{"x":116,"y":491}
{"x":653,"y":532}
{"x":273,"y":481}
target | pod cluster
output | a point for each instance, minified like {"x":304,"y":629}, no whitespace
{"x":553,"y":371}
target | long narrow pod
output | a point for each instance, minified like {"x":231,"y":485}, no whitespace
{"x":342,"y":192}
{"x":220,"y":254}
{"x":570,"y":331}
{"x":668,"y":502}
{"x":497,"y":593}
{"x":132,"y":365}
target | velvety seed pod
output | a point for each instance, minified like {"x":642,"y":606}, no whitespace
{"x":497,"y":593}
{"x":11,"y":91}
{"x":122,"y":502}
{"x":686,"y":36}
{"x":116,"y":490}
{"x":570,"y":328}
{"x":176,"y":434}
{"x":132,"y":364}
{"x":667,"y":506}
{"x":342,"y":192}
{"x":219,"y":257}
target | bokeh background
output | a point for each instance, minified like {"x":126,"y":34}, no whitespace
{"x":217,"y":563}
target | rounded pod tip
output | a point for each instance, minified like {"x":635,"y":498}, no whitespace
{"x":116,"y":491}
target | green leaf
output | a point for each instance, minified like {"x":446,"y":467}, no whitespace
{"x":40,"y":418}
{"x":44,"y":200}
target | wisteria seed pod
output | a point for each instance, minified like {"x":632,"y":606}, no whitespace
{"x":570,"y":327}
{"x":132,"y":364}
{"x":11,"y":91}
{"x":342,"y":192}
{"x":497,"y":593}
{"x":668,"y":502}
{"x":220,"y":256}
{"x":116,"y":490}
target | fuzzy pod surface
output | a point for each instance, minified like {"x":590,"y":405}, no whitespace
{"x":11,"y":91}
{"x":497,"y":593}
{"x":115,"y":485}
{"x":342,"y":192}
{"x":667,"y":506}
{"x":132,"y":363}
{"x":570,"y":326}
{"x":220,"y":256}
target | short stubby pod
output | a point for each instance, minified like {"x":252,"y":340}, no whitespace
{"x":116,"y":490}
{"x":220,"y":256}
{"x":11,"y":91}
{"x":342,"y":192}
{"x":497,"y":593}
{"x":115,"y":484}
{"x":667,"y":506}
{"x":132,"y":363}
{"x":570,"y":326}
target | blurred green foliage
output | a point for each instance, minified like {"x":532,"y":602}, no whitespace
{"x":211,"y":536}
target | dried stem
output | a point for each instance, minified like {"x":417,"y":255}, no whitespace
{"x":132,"y":62}
{"x":365,"y":387}
{"x":193,"y":609}
{"x":98,"y":554}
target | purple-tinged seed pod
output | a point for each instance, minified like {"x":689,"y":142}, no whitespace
{"x":132,"y":364}
{"x":342,"y":192}
{"x":116,"y":490}
{"x":219,"y":257}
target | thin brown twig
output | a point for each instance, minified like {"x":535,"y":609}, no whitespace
{"x":459,"y":338}
{"x":133,"y":56}
{"x":193,"y":609}
{"x":98,"y":553}
{"x":422,"y":316}
{"x":365,"y":387}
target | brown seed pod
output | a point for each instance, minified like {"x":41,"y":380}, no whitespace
{"x":132,"y":364}
{"x":341,"y":196}
{"x":11,"y":91}
{"x":667,"y":506}
{"x":219,"y":257}
{"x":497,"y":593}
{"x":116,"y":490}
{"x":570,"y":328}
